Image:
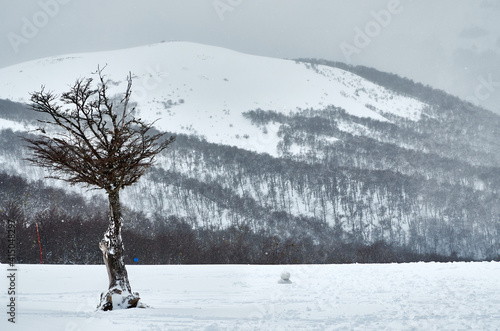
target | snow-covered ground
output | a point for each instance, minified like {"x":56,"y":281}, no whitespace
{"x":420,"y":296}
{"x":14,"y":126}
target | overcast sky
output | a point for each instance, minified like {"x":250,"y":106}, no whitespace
{"x":450,"y":44}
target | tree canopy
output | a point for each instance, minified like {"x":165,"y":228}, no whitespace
{"x":101,"y":143}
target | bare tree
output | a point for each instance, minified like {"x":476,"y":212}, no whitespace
{"x":98,"y":142}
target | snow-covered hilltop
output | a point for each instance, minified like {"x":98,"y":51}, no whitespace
{"x":203,"y":90}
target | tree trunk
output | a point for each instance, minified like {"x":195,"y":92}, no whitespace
{"x":119,"y":293}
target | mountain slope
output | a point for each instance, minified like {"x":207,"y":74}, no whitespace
{"x":198,"y":89}
{"x":292,"y":149}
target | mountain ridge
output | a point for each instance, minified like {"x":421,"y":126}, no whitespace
{"x":295,"y":148}
{"x":215,"y":83}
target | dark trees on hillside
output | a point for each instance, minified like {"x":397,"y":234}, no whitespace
{"x":99,"y":143}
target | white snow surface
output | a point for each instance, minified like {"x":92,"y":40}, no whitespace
{"x":14,"y":126}
{"x":199,"y":89}
{"x":417,"y":296}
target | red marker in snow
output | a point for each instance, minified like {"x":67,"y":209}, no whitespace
{"x":39,"y":243}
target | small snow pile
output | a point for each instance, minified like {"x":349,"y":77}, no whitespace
{"x":285,"y":278}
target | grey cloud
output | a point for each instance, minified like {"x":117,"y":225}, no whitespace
{"x":490,"y":4}
{"x":473,"y":33}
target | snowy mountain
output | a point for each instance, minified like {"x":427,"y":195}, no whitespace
{"x":293,"y":149}
{"x":203,"y":90}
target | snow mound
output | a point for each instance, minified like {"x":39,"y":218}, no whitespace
{"x":285,"y":278}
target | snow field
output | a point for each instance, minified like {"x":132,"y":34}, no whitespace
{"x":418,"y":296}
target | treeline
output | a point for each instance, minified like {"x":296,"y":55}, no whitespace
{"x":381,"y":146}
{"x":409,"y":149}
{"x":224,"y":186}
{"x":179,"y":243}
{"x":446,"y":117}
{"x":17,"y":112}
{"x":394,"y":82}
{"x":73,"y":239}
{"x":436,"y":209}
